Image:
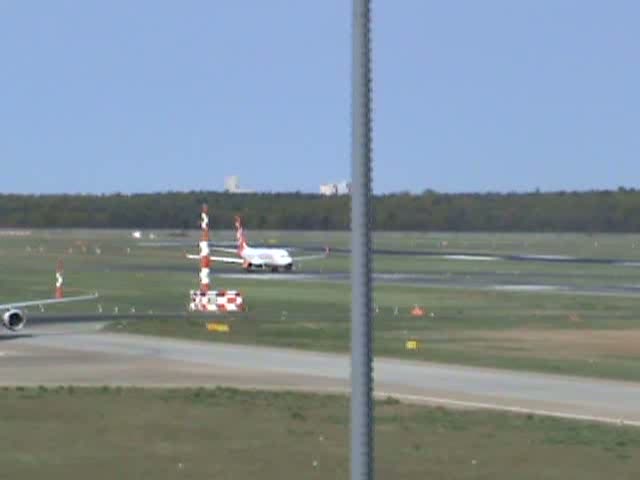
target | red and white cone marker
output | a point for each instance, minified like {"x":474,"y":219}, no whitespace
{"x":59,"y":280}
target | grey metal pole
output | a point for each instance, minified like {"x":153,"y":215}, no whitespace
{"x":361,"y":325}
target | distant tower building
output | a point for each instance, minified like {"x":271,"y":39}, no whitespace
{"x":343,"y":188}
{"x":232,"y":184}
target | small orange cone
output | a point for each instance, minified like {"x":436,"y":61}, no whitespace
{"x":417,"y":312}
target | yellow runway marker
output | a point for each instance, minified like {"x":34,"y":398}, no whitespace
{"x":411,"y":345}
{"x":218,"y":327}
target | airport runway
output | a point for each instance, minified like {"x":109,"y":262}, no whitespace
{"x":449,"y":255}
{"x":80,"y":354}
{"x":550,"y":282}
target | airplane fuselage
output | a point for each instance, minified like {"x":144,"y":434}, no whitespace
{"x":273,"y":258}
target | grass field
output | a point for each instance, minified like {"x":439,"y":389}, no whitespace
{"x":552,"y":333}
{"x":571,"y":334}
{"x":596,"y":245}
{"x":577,"y":244}
{"x":106,"y":433}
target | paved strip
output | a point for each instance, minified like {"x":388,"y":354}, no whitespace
{"x":87,"y":357}
{"x":450,"y":254}
{"x":463,"y":281}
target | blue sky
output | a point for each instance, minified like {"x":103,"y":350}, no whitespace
{"x":142,"y":96}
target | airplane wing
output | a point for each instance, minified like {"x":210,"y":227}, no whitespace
{"x":188,"y":243}
{"x":311,"y":257}
{"x":218,"y":259}
{"x":47,"y":301}
{"x":222,"y":249}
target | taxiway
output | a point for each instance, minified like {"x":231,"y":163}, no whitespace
{"x":81,"y":354}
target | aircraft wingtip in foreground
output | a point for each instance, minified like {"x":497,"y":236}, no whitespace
{"x":275,"y":259}
{"x":14,"y":318}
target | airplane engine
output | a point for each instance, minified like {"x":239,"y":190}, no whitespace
{"x":14,"y":320}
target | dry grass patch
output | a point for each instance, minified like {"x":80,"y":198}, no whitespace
{"x":574,"y":343}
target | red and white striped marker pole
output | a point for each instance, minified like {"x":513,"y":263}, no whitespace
{"x":205,"y":261}
{"x":59,"y":280}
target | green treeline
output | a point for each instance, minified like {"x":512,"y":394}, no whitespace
{"x":592,"y":211}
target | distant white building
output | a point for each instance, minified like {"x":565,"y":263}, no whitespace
{"x":328,"y":189}
{"x":340,"y":188}
{"x":232,"y":185}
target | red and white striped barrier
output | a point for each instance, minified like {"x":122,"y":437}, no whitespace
{"x":206,"y":300}
{"x":205,"y":261}
{"x":216,"y":301}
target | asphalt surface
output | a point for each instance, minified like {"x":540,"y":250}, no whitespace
{"x":80,"y":354}
{"x":453,"y":254}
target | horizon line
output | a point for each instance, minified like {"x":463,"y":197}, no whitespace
{"x":309,"y":193}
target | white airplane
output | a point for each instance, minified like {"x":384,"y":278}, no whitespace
{"x":15,"y":319}
{"x":249,"y":257}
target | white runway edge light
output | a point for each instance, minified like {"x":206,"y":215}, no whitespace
{"x":206,"y":300}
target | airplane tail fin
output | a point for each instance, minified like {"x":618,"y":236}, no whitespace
{"x":240,"y":236}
